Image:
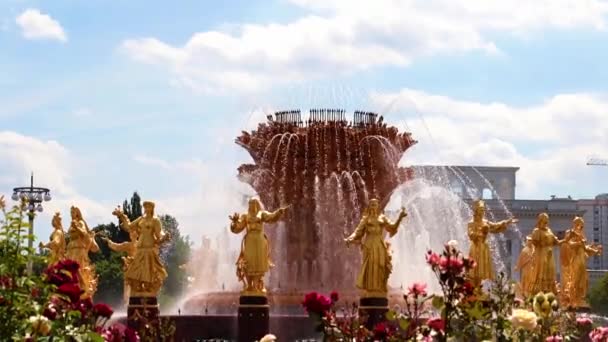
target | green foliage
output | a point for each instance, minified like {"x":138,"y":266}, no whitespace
{"x":175,"y":254}
{"x":42,"y":306}
{"x":110,"y":273}
{"x":598,"y":296}
{"x":17,"y":304}
{"x":109,"y":264}
{"x":133,"y":209}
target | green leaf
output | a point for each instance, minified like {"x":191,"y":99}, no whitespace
{"x":476,"y":312}
{"x":437,"y":302}
{"x":404,"y":323}
{"x":391,"y":315}
{"x":94,"y":337}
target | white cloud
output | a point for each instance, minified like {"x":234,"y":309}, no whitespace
{"x":343,"y":36}
{"x":550,"y":141}
{"x":53,"y":167}
{"x":36,"y":25}
{"x":215,"y":192}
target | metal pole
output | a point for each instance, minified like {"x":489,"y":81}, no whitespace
{"x":30,"y":242}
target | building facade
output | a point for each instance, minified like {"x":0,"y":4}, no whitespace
{"x":596,"y":228}
{"x":496,"y":185}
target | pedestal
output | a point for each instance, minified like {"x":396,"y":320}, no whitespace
{"x":375,"y":309}
{"x":142,"y":311}
{"x":253,"y":319}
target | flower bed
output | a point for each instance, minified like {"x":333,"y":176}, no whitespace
{"x":47,"y":306}
{"x":461,"y":312}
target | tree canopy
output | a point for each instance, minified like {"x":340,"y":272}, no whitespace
{"x":109,"y":264}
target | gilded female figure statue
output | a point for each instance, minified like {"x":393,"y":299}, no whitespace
{"x":478,"y":230}
{"x":377,"y":265}
{"x":129,"y":247}
{"x":254,"y":259}
{"x":544,"y":240}
{"x":145,"y":273}
{"x":81,"y":242}
{"x":56,"y":245}
{"x":525,"y":265}
{"x":574,"y":254}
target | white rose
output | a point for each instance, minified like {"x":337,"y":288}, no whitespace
{"x":524,"y":319}
{"x":40,"y":325}
{"x":268,"y":338}
{"x":453,"y":244}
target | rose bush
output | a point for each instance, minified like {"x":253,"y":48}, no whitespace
{"x":460,"y":312}
{"x":47,"y":306}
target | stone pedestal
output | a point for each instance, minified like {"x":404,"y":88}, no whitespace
{"x":253,"y":318}
{"x":142,"y":311}
{"x":375,"y":309}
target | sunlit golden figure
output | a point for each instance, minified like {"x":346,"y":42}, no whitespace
{"x":574,"y":254}
{"x":128,"y":247}
{"x":145,"y":273}
{"x":525,"y":266}
{"x":81,"y":242}
{"x":377,"y":265}
{"x":254,"y":259}
{"x":56,"y":245}
{"x":478,"y":230}
{"x":544,"y":241}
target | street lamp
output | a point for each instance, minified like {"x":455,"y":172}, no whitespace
{"x":34,"y":196}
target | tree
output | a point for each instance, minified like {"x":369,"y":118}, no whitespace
{"x":598,"y":296}
{"x":134,"y":209}
{"x":108,"y":263}
{"x":175,"y":255}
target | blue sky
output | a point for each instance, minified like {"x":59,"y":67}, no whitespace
{"x":103,"y":98}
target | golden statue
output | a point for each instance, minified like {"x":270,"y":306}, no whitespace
{"x":254,"y":259}
{"x":525,"y":266}
{"x":145,"y":273}
{"x":56,"y":245}
{"x":478,"y":230}
{"x":129,"y":247}
{"x":574,"y":254}
{"x":82,"y":241}
{"x":543,"y":239}
{"x":377,"y":265}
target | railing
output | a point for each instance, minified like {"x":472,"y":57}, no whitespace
{"x":294,"y":117}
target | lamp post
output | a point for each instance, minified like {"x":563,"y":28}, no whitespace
{"x":34,"y":196}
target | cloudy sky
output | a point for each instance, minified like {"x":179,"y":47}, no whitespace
{"x":101,"y":98}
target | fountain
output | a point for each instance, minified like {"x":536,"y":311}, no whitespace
{"x":327,"y":168}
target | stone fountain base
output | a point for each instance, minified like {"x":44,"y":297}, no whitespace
{"x":280,"y":302}
{"x":225,"y":327}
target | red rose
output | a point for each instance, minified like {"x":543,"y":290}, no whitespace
{"x":316,"y":303}
{"x":62,"y":273}
{"x":6,"y":282}
{"x":468,"y":288}
{"x":50,"y":313}
{"x":436,"y":324}
{"x":131,"y":335}
{"x":381,"y":331}
{"x":102,"y":310}
{"x":72,"y":291}
{"x":334,"y":296}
